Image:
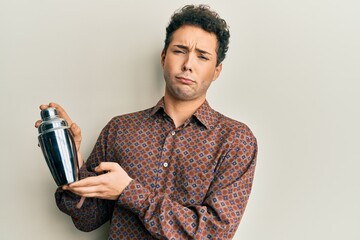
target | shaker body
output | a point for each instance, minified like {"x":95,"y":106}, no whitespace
{"x":59,"y":150}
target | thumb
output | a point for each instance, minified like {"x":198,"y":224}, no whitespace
{"x":106,"y":167}
{"x":76,"y":132}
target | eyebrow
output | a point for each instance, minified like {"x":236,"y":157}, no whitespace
{"x":197,"y":49}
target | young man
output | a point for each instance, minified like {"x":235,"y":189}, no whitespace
{"x":179,"y":170}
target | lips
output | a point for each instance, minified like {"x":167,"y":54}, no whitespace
{"x":185,"y":80}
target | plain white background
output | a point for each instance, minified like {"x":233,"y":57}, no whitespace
{"x":292,"y":75}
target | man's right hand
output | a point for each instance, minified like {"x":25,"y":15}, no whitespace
{"x":74,"y":128}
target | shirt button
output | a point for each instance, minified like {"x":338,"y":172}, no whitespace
{"x":165,"y":164}
{"x":173,"y":133}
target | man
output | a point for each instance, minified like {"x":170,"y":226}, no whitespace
{"x":179,"y":170}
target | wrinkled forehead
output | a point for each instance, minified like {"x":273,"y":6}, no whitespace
{"x":194,"y":38}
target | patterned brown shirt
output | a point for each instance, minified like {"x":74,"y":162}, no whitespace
{"x":191,"y":182}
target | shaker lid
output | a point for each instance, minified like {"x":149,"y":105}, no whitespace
{"x":48,"y":113}
{"x":51,"y":121}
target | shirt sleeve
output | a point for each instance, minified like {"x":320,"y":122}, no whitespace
{"x":94,"y":212}
{"x":219,"y":215}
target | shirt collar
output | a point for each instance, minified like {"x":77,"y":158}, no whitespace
{"x":158,"y":106}
{"x":204,"y":114}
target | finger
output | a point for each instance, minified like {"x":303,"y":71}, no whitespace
{"x":86,"y":192}
{"x":76,"y":131}
{"x":98,"y":191}
{"x":43,"y":106}
{"x":37,"y":123}
{"x":80,"y":159}
{"x":94,"y":192}
{"x":62,"y":113}
{"x":86,"y":182}
{"x":106,"y":166}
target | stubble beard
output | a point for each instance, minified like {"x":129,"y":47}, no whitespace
{"x":184,"y":92}
{"x":178,"y":91}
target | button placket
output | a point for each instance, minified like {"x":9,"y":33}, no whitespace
{"x":164,"y":163}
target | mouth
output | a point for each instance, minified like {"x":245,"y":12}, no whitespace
{"x":185,"y":80}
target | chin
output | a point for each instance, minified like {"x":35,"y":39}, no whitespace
{"x":181,"y":95}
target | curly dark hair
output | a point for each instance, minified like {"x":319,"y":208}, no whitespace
{"x":201,"y":16}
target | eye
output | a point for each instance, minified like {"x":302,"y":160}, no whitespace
{"x":203,"y":57}
{"x":178,"y":51}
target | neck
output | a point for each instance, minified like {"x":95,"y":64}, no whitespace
{"x":180,"y":110}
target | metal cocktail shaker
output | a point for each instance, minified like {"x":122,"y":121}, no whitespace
{"x":58,"y":147}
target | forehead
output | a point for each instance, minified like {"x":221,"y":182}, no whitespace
{"x":192,"y":36}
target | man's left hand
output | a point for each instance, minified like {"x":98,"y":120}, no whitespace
{"x":105,"y":186}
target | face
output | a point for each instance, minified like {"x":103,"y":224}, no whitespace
{"x":189,"y":64}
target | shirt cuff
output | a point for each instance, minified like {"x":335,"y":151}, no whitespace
{"x":135,"y":198}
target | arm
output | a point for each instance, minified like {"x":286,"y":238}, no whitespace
{"x":94,"y":211}
{"x":219,"y":215}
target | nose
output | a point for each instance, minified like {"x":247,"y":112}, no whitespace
{"x":188,"y":63}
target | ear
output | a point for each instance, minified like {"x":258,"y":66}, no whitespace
{"x":162,"y":58}
{"x":217,"y":71}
